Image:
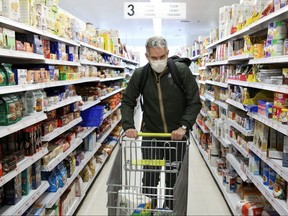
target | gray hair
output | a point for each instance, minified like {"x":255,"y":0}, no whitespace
{"x":156,"y":41}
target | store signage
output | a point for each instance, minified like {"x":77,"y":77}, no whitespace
{"x":147,"y":10}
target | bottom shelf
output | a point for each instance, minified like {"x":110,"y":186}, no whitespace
{"x":231,"y":198}
{"x":86,"y":186}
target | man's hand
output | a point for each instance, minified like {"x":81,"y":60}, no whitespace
{"x":178,"y":134}
{"x":131,"y":133}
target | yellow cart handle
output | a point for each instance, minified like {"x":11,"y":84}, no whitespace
{"x":154,"y":134}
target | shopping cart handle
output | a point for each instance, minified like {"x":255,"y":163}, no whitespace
{"x":154,"y":134}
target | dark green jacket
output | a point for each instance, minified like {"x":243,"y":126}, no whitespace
{"x":166,"y":107}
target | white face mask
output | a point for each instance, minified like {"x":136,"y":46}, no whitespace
{"x":159,"y":65}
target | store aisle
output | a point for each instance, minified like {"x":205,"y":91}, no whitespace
{"x":204,"y":197}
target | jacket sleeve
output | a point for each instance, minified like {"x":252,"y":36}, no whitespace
{"x":193,"y":103}
{"x":129,"y":100}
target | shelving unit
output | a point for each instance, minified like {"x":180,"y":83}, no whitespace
{"x":89,"y":104}
{"x":243,"y":151}
{"x":111,"y":111}
{"x":86,"y":62}
{"x":202,"y":128}
{"x":270,"y":60}
{"x":217,"y":63}
{"x":244,"y":57}
{"x":220,"y":84}
{"x":63,"y":103}
{"x":236,"y":104}
{"x":221,"y":104}
{"x":20,"y":55}
{"x":112,"y":93}
{"x":224,"y":142}
{"x":59,"y":62}
{"x":236,"y":165}
{"x":245,"y":132}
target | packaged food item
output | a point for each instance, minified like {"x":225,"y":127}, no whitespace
{"x":13,"y":190}
{"x":3,"y":77}
{"x":280,"y":188}
{"x":26,"y":176}
{"x":8,"y":113}
{"x":18,"y":106}
{"x":11,"y":9}
{"x":10,"y":75}
{"x":39,"y":100}
{"x":9,"y":39}
{"x":36,"y":174}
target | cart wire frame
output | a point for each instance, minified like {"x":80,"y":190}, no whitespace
{"x":128,"y":191}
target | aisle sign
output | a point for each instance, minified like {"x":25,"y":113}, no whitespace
{"x":147,"y":10}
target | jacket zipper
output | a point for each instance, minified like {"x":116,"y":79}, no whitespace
{"x":161,"y":103}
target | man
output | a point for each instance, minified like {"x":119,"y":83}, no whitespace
{"x":167,"y":108}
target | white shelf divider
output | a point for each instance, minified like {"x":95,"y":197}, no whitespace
{"x":202,"y":82}
{"x":217,"y":63}
{"x":22,"y":165}
{"x":63,"y":103}
{"x":279,"y":205}
{"x":236,"y":165}
{"x":55,"y":161}
{"x":273,"y":163}
{"x":203,"y":113}
{"x":243,"y":151}
{"x":270,"y":60}
{"x":245,"y":132}
{"x":112,"y":79}
{"x":24,"y":123}
{"x":112,"y":93}
{"x":25,"y":202}
{"x":231,"y":198}
{"x":86,"y":132}
{"x":89,"y":104}
{"x":71,"y":82}
{"x":270,"y":122}
{"x":221,"y":104}
{"x":209,"y":97}
{"x":243,"y":57}
{"x":86,"y":62}
{"x":50,"y":198}
{"x":203,"y":68}
{"x":236,"y":104}
{"x":264,"y":86}
{"x":20,"y":54}
{"x":60,"y":62}
{"x":196,"y":73}
{"x":60,"y":130}
{"x":111,"y":111}
{"x":220,"y":84}
{"x":202,"y":128}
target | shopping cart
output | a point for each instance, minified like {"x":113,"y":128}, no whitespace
{"x":149,"y":176}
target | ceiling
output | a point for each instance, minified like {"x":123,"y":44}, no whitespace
{"x":201,"y":17}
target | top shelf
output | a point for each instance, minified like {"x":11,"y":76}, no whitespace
{"x":254,"y":27}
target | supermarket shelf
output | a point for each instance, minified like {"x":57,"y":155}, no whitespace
{"x":243,"y":151}
{"x":25,"y":202}
{"x":221,"y":104}
{"x":236,"y":104}
{"x":203,"y":113}
{"x":63,"y":103}
{"x":20,"y":88}
{"x":194,"y":58}
{"x":202,"y":97}
{"x":244,"y":57}
{"x":209,"y":97}
{"x":224,"y":85}
{"x":270,"y":122}
{"x":245,"y":132}
{"x":50,"y":198}
{"x":71,"y":82}
{"x":86,"y":62}
{"x":202,"y":128}
{"x":270,"y":60}
{"x":54,"y":162}
{"x":22,"y":165}
{"x":254,"y":27}
{"x":20,"y":54}
{"x":217,"y":63}
{"x":279,"y":205}
{"x":231,"y":198}
{"x":60,"y":130}
{"x":196,"y":74}
{"x":273,"y":163}
{"x":86,"y":132}
{"x":25,"y":122}
{"x":111,"y":111}
{"x":60,"y":62}
{"x":224,"y":142}
{"x":203,"y":68}
{"x":60,"y":39}
{"x":112,"y":93}
{"x":201,"y":82}
{"x":130,"y":61}
{"x":236,"y":165}
{"x":264,"y":86}
{"x":108,"y":132}
{"x":112,"y":79}
{"x":89,"y":104}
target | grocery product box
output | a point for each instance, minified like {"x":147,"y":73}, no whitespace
{"x":11,"y":9}
{"x":8,"y":39}
{"x":13,"y":191}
